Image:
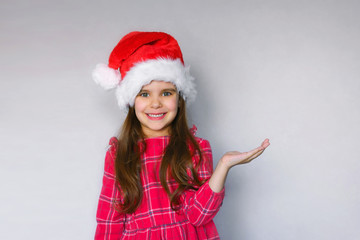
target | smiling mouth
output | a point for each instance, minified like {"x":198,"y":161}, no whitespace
{"x":156,"y":115}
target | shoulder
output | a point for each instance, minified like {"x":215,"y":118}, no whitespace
{"x":206,"y":154}
{"x":113,"y":142}
{"x":110,"y":156}
{"x":203,"y":143}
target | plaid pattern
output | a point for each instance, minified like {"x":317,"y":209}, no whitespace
{"x":155,"y":219}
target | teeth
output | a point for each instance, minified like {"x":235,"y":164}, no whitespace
{"x":156,"y":115}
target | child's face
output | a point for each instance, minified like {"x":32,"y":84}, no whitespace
{"x":156,"y":106}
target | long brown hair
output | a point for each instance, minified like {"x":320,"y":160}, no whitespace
{"x":176,"y":160}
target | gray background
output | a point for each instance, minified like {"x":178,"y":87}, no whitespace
{"x":286,"y":70}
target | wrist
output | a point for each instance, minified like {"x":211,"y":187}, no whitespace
{"x":222,"y":167}
{"x":224,"y":164}
{"x":218,"y":177}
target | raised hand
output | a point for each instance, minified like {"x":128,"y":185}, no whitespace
{"x":233,"y":158}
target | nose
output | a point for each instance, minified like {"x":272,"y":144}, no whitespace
{"x":155,"y":102}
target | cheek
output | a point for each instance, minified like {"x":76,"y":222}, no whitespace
{"x":173,"y":105}
{"x":139,"y":105}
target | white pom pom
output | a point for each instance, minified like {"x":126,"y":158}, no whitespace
{"x":106,"y":77}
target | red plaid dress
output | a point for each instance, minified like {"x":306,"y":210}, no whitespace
{"x":155,"y":219}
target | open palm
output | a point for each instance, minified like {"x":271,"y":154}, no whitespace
{"x":234,"y":157}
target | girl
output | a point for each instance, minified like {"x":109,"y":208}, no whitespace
{"x":159,"y":181}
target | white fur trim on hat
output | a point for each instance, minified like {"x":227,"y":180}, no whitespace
{"x":161,"y":69}
{"x":105,"y":76}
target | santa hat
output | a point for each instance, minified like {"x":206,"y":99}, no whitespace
{"x":139,"y":58}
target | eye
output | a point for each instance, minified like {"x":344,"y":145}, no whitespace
{"x":165,"y":94}
{"x":143,"y":94}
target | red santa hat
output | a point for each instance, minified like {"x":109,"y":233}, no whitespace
{"x":138,"y":59}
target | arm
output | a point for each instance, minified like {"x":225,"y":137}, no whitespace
{"x":109,"y":221}
{"x":200,"y":206}
{"x":231,"y":159}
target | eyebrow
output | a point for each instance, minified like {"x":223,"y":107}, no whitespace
{"x":169,"y":89}
{"x":162,"y":90}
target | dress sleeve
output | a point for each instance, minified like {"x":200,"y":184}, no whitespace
{"x":201,"y":206}
{"x":109,"y":222}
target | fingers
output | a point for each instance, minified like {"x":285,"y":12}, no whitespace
{"x":256,"y":155}
{"x":257,"y":151}
{"x":265,"y":143}
{"x":252,"y":154}
{"x":236,"y":158}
